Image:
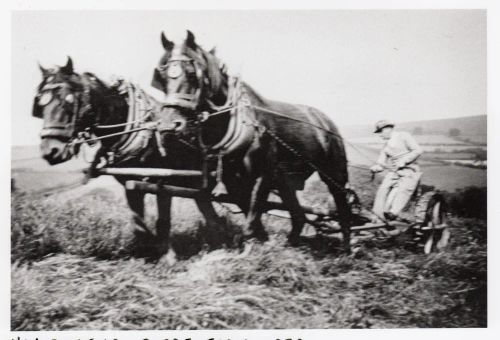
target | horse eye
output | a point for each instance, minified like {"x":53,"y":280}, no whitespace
{"x":70,"y":98}
{"x":45,"y":98}
{"x":189,"y":68}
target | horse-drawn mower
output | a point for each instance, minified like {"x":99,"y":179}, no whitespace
{"x":425,"y":222}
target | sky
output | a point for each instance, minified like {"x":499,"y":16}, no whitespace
{"x":356,"y":66}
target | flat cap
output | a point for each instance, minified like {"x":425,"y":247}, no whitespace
{"x":382,"y":124}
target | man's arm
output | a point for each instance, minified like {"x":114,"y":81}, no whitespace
{"x":382,"y":158}
{"x":414,"y":149}
{"x":381,"y":162}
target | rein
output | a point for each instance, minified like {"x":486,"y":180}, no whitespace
{"x":133,"y":127}
{"x":83,"y":139}
{"x":113,"y":126}
{"x":237,"y":101}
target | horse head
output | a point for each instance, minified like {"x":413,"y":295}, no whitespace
{"x":192,"y":79}
{"x":63,"y":101}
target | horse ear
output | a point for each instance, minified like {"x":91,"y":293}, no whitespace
{"x":213,"y":50}
{"x":68,"y":68}
{"x":190,"y":41}
{"x":157,"y":81}
{"x":167,"y":44}
{"x":42,"y":69}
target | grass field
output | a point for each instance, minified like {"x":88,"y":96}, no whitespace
{"x":72,"y":270}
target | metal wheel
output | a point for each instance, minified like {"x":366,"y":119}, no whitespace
{"x":432,"y":233}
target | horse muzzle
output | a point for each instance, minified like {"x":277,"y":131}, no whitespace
{"x":176,"y":126}
{"x":54,"y":151}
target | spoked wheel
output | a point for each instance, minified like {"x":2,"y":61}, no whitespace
{"x":432,"y":232}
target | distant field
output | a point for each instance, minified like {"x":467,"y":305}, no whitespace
{"x":470,"y":144}
{"x":32,"y":173}
{"x":444,"y":177}
{"x":474,"y":127}
{"x":431,"y":148}
{"x":481,"y":139}
{"x":450,"y":177}
{"x":452,"y":148}
{"x":421,"y":139}
{"x":448,"y":155}
{"x":42,"y":181}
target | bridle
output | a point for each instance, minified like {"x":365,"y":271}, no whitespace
{"x":172,"y":69}
{"x":81,"y":107}
{"x":73,"y":131}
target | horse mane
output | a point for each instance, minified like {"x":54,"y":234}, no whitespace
{"x":101,"y":89}
{"x":215,"y":70}
{"x":256,"y":97}
{"x":217,"y":76}
{"x":94,"y":83}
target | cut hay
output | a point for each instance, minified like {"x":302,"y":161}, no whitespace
{"x":265,"y":286}
{"x":72,"y":271}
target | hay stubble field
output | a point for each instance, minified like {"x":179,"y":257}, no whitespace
{"x":72,"y":270}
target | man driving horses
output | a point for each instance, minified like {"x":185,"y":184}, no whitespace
{"x":399,"y":156}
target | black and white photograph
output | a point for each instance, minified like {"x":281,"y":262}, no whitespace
{"x":254,"y":169}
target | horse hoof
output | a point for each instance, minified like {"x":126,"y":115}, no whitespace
{"x":293,"y":241}
{"x":260,"y":236}
{"x":169,"y":259}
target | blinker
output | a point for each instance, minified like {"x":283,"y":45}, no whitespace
{"x":45,"y":98}
{"x":70,"y":98}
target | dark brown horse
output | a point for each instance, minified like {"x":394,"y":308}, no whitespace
{"x":262,"y":144}
{"x":71,"y":104}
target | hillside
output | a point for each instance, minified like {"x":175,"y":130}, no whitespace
{"x":32,"y":173}
{"x":470,"y":127}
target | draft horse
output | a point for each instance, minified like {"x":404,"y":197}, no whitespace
{"x":260,"y":144}
{"x":75,"y":106}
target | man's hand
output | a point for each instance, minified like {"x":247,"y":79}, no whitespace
{"x":376,"y":168}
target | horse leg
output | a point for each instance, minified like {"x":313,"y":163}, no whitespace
{"x":258,"y":198}
{"x":289,"y":197}
{"x":238,"y":191}
{"x":163,"y":225}
{"x":142,"y":236}
{"x":212,"y":229}
{"x":135,"y":200}
{"x":344,"y":212}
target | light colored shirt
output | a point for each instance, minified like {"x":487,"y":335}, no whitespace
{"x":401,"y":147}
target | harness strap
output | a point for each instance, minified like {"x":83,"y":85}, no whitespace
{"x":184,"y":100}
{"x":260,"y":108}
{"x":237,"y":132}
{"x":132,"y":113}
{"x":138,"y":129}
{"x":55,"y":130}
